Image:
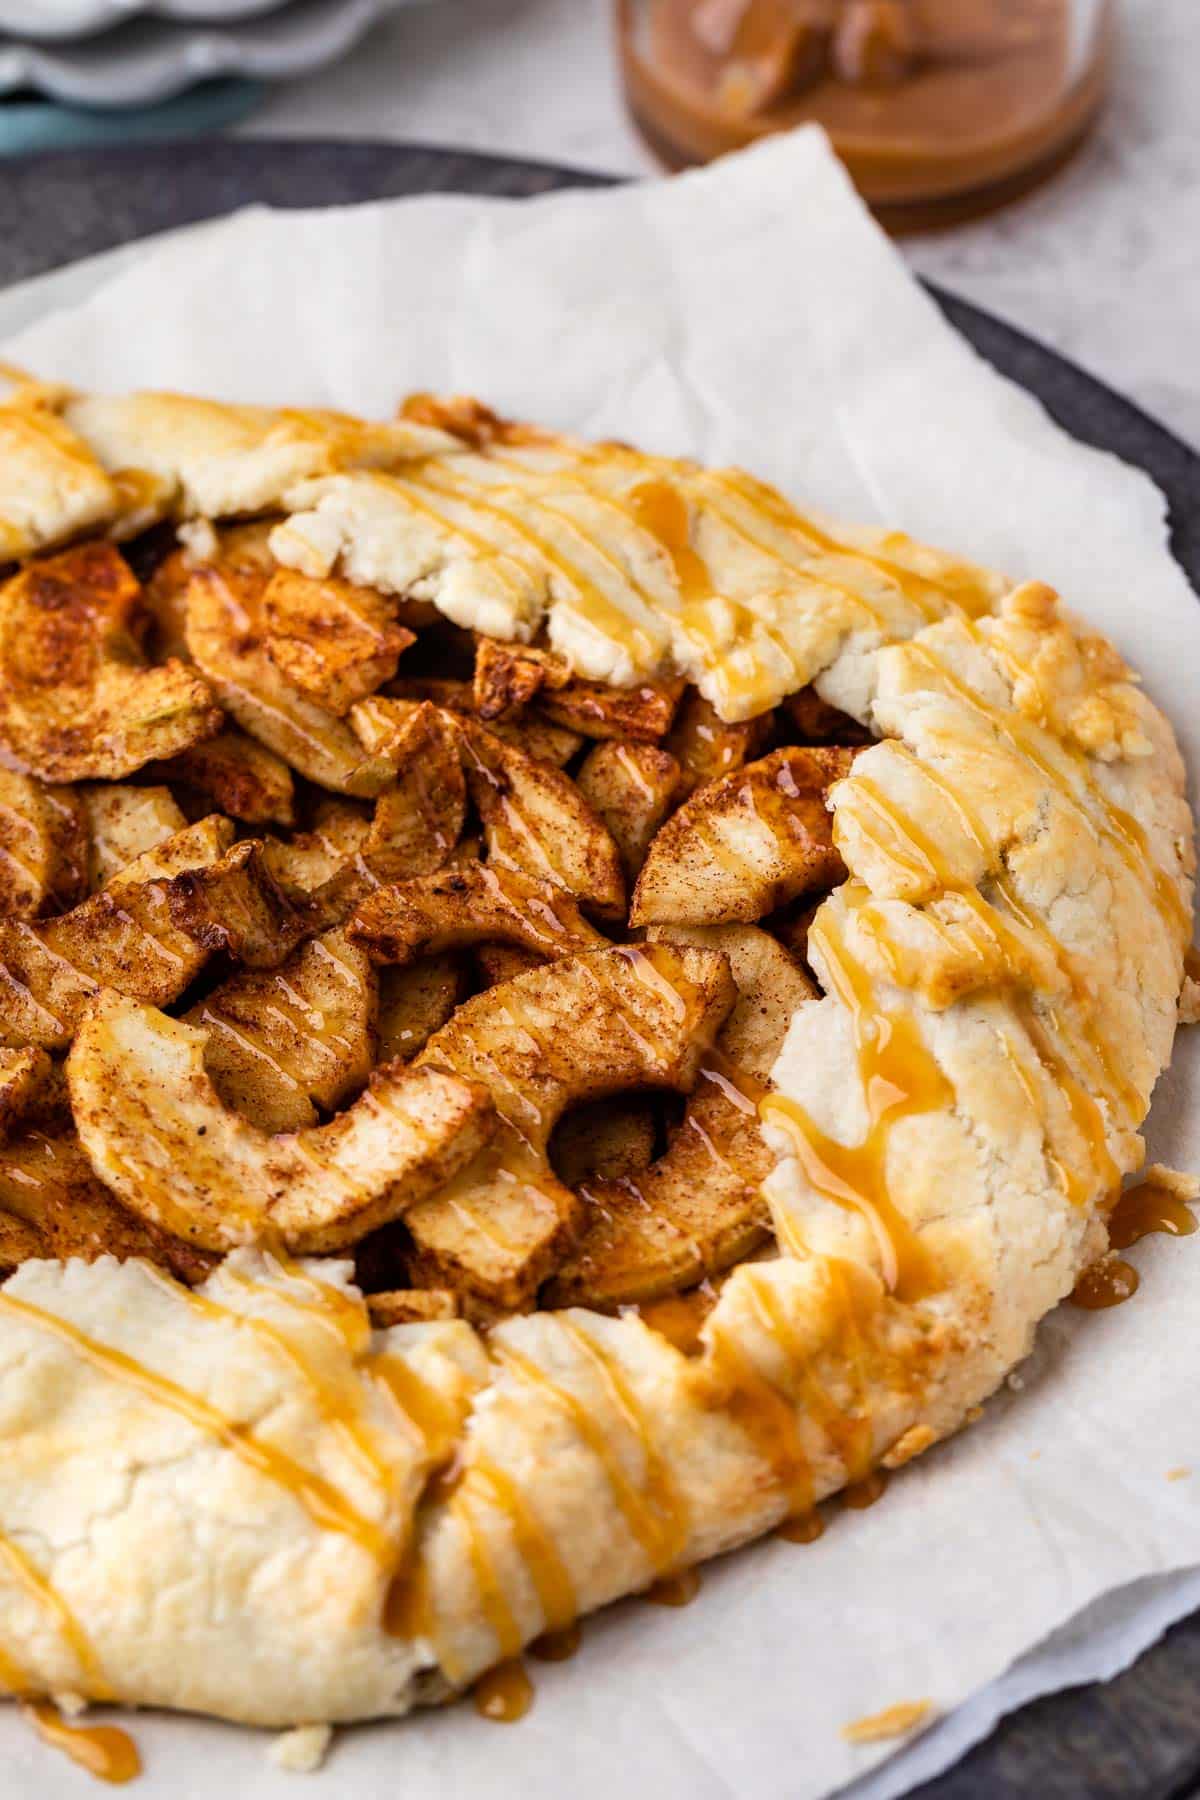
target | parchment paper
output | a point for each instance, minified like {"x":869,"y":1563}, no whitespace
{"x":750,"y":313}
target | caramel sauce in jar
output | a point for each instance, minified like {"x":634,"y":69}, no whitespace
{"x":938,"y":108}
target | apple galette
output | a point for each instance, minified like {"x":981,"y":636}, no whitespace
{"x":555,"y":1011}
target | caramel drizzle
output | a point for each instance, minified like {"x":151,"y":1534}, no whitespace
{"x":340,"y":1403}
{"x":1116,"y":827}
{"x":551,"y":930}
{"x":496,"y":1610}
{"x":255,"y":1047}
{"x":1086,"y":1046}
{"x":651,"y":1516}
{"x":1107,"y":1283}
{"x":847,"y":1428}
{"x":805,"y":1528}
{"x":488,"y":552}
{"x":648,"y":973}
{"x":674,"y":1590}
{"x":433,"y":1415}
{"x":1139,"y":1211}
{"x":1148,"y":1208}
{"x":662,"y":511}
{"x":343,"y":1314}
{"x":1085,"y":1114}
{"x":769,"y":1411}
{"x":654,"y":506}
{"x":766,"y":1415}
{"x":551,"y":1582}
{"x":289,"y":1008}
{"x":504,"y":1694}
{"x":105,"y":1751}
{"x":558,"y":1646}
{"x":328,"y":1508}
{"x":900,"y":1079}
{"x":532,"y":842}
{"x":661,"y":1490}
{"x":664,"y":991}
{"x":14,"y":1680}
{"x":679,"y":1318}
{"x":1090,"y":1045}
{"x":745,"y":508}
{"x":861,"y":1494}
{"x":437,"y":1418}
{"x":595,"y":606}
{"x":35,"y":1584}
{"x":657,"y":507}
{"x":931,"y":595}
{"x":27,"y":832}
{"x":409,"y":1607}
{"x":1119,"y":830}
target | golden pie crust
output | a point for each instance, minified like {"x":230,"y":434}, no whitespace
{"x":267,"y":1498}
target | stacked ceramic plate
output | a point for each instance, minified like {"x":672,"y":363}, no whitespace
{"x":138,"y":53}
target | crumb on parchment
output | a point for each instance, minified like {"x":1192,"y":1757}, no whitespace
{"x":1176,"y":1182}
{"x":302,"y":1750}
{"x":1179,"y":1474}
{"x":894,"y":1721}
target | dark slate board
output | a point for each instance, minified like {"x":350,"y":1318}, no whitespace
{"x":1135,"y":1738}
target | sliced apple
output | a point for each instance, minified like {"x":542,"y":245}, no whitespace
{"x":462,"y":907}
{"x":148,"y":933}
{"x":124,"y":822}
{"x":226,"y":635}
{"x":699,"y":1208}
{"x":706,"y":747}
{"x":746,"y":844}
{"x":77,"y":702}
{"x":536,"y":820}
{"x":508,"y":676}
{"x":43,"y":847}
{"x":52,"y":1205}
{"x":414,"y":1002}
{"x":334,"y":641}
{"x":25,"y":1076}
{"x":419,"y":818}
{"x":631,"y":787}
{"x":283,"y":1042}
{"x":596,"y":710}
{"x":565,"y":1034}
{"x":156,"y":1131}
{"x":239,"y":776}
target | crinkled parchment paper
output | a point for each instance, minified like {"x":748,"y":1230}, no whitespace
{"x":751,"y":313}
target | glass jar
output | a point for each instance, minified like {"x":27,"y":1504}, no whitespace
{"x":939,"y":108}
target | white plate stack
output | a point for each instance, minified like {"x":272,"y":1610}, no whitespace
{"x":139,"y":53}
